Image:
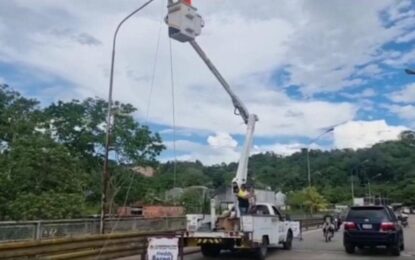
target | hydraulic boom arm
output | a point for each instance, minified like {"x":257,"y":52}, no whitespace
{"x":240,"y":109}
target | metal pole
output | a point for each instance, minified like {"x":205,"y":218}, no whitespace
{"x":370,"y":193}
{"x":308,"y":167}
{"x":352,"y":186}
{"x":328,"y":130}
{"x":106,"y":176}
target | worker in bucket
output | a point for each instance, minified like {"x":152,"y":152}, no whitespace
{"x":243,"y":199}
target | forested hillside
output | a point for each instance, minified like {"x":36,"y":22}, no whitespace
{"x":51,"y":163}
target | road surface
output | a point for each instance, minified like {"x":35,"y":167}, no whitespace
{"x":313,"y":247}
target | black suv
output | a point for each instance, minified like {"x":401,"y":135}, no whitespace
{"x":372,"y":226}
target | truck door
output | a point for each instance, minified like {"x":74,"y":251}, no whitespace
{"x":268,"y":223}
{"x":281,"y":225}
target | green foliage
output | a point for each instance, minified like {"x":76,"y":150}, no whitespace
{"x":308,"y":199}
{"x":51,"y":158}
{"x":47,"y":205}
{"x":313,"y":200}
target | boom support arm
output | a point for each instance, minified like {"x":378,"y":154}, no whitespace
{"x":240,"y":109}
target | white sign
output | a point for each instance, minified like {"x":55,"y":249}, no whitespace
{"x":295,"y":227}
{"x":163,"y":248}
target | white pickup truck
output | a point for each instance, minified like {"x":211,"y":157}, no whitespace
{"x":265,"y":227}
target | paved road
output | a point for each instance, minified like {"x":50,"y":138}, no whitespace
{"x":313,"y":247}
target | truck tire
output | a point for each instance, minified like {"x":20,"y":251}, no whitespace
{"x":349,"y":248}
{"x":395,"y":249}
{"x":210,"y":250}
{"x":289,"y":241}
{"x":262,"y":251}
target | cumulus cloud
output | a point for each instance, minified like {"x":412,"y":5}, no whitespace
{"x":207,"y":153}
{"x":222,"y":140}
{"x":406,"y":112}
{"x":406,"y":95}
{"x":366,"y":93}
{"x":406,"y":37}
{"x":362,"y":134}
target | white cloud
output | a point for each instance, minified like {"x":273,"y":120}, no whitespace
{"x":335,"y":37}
{"x":366,"y":93}
{"x":369,"y":92}
{"x":406,"y":112}
{"x":406,"y":95}
{"x":370,"y":70}
{"x":207,"y":154}
{"x":401,"y":59}
{"x":362,"y":134}
{"x":279,"y":148}
{"x":406,"y":37}
{"x":222,"y":140}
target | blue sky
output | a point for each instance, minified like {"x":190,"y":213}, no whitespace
{"x":301,"y":66}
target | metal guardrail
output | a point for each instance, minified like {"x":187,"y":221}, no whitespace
{"x":311,"y":222}
{"x":99,"y":247}
{"x":49,"y":229}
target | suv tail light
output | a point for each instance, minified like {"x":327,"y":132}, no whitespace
{"x":349,"y":225}
{"x":387,"y":226}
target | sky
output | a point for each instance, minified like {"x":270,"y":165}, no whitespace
{"x":301,"y":66}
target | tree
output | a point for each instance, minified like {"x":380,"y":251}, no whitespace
{"x":314,"y":201}
{"x":81,"y":127}
{"x":35,"y":171}
{"x":51,"y":159}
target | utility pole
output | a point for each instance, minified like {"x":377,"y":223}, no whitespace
{"x":326,"y":131}
{"x":370,"y":192}
{"x":352,"y":186}
{"x":106,"y":175}
{"x":308,"y":167}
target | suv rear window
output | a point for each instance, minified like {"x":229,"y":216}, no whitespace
{"x":367,"y":213}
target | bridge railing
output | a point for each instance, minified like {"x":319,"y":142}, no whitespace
{"x":311,"y":223}
{"x":99,"y":247}
{"x":49,"y":229}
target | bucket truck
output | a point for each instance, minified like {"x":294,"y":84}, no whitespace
{"x":265,"y":226}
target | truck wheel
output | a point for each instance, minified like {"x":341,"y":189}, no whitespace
{"x":210,"y":250}
{"x":262,"y":251}
{"x":289,"y":242}
{"x":395,"y":250}
{"x":349,"y":248}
